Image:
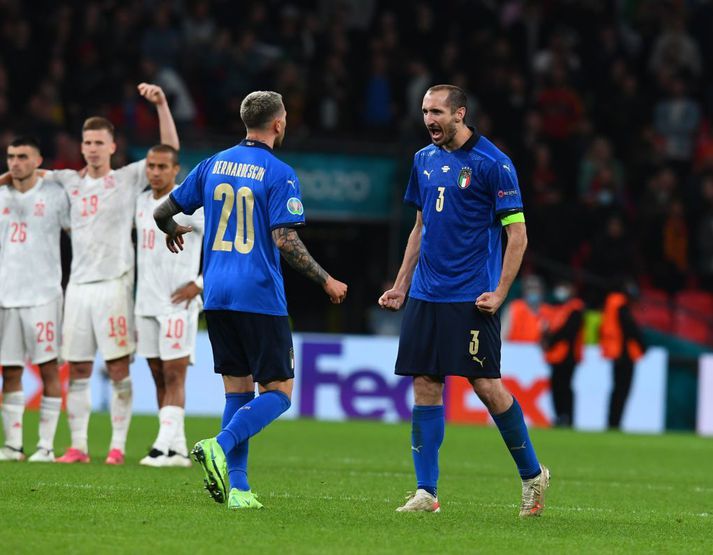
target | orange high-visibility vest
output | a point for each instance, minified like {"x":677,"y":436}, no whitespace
{"x":612,"y":337}
{"x":556,"y":317}
{"x":524,"y":323}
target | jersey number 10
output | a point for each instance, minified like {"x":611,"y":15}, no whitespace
{"x":245,"y":230}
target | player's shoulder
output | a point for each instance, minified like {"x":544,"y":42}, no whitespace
{"x":131,"y":166}
{"x":485,"y":151}
{"x":425,"y":153}
{"x":49,"y":186}
{"x":144,"y":196}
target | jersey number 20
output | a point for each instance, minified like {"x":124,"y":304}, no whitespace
{"x":245,"y":230}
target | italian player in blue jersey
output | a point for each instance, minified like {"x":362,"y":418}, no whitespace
{"x":252,"y":206}
{"x":465,"y":192}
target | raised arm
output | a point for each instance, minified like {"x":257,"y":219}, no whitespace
{"x":394,"y":298}
{"x":295,"y":253}
{"x":490,"y":301}
{"x":163,"y":214}
{"x":155,"y":95}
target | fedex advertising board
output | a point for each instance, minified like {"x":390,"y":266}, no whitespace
{"x":345,"y":377}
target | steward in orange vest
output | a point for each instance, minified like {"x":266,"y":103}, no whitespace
{"x":521,"y":320}
{"x":525,"y":324}
{"x":621,"y":342}
{"x":562,"y":341}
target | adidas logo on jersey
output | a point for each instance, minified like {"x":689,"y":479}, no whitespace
{"x":122,"y":343}
{"x":48,"y":349}
{"x":6,"y":210}
{"x":176,"y":346}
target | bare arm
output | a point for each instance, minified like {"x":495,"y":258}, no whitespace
{"x":155,"y":95}
{"x":394,"y":298}
{"x":163,"y":214}
{"x":490,"y":301}
{"x":295,"y":253}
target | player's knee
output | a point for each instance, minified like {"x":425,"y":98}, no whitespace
{"x":492,"y":393}
{"x":427,"y":391}
{"x":12,"y":378}
{"x":174,"y":374}
{"x":80,"y":370}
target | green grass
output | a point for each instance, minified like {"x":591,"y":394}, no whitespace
{"x":332,"y":488}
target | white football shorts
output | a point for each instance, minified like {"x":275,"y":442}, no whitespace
{"x":99,"y":315}
{"x":169,"y":336}
{"x":31,"y":332}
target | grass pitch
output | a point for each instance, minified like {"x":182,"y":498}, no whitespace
{"x":333,"y":487}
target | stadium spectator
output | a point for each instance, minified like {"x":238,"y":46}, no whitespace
{"x":562,"y":340}
{"x":621,"y":342}
{"x":521,"y":319}
{"x":705,"y":234}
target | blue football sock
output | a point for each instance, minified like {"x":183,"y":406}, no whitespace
{"x":427,"y":429}
{"x":511,"y":424}
{"x":251,"y":418}
{"x":237,"y":459}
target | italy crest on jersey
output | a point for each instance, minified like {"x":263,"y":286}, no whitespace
{"x":464,"y":178}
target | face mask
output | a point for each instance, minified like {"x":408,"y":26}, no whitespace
{"x":561,"y":294}
{"x":533,"y":298}
{"x":605,"y":197}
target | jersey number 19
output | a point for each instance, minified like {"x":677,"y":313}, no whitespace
{"x":245,"y":230}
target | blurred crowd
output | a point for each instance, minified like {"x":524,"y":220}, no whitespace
{"x":606,"y":107}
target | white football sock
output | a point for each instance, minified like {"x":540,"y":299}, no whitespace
{"x":49,"y":415}
{"x":168,"y":418}
{"x":79,"y":408}
{"x":13,"y":407}
{"x":121,"y":401}
{"x":178,"y":443}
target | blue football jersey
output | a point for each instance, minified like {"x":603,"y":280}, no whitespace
{"x":462,"y":195}
{"x":246,"y":192}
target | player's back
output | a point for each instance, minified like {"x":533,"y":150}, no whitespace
{"x":247,"y":192}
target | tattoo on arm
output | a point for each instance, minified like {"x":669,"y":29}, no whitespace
{"x":164,"y":216}
{"x":296,"y":254}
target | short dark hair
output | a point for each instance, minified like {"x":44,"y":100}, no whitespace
{"x":26,"y":140}
{"x":259,"y":108}
{"x":166,"y":148}
{"x":97,"y":123}
{"x":456,"y":96}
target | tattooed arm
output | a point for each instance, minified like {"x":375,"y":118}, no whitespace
{"x":295,"y":253}
{"x":163,"y":214}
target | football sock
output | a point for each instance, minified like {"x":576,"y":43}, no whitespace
{"x":237,"y":459}
{"x":178,"y":442}
{"x":427,"y":430}
{"x":79,"y":407}
{"x":511,"y":424}
{"x":168,"y":418}
{"x":49,"y":416}
{"x":120,"y":408}
{"x":13,"y":407}
{"x":252,"y":417}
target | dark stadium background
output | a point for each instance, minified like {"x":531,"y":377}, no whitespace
{"x":605,"y":107}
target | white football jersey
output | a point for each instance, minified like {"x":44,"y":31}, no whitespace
{"x":161,"y":272}
{"x":101,"y":219}
{"x":30,"y":224}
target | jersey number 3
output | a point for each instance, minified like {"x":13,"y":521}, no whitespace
{"x":245,"y":230}
{"x":440,"y":200}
